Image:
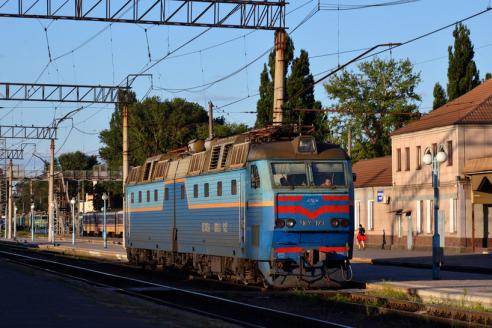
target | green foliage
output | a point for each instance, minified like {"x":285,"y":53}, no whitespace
{"x":76,"y":161}
{"x":300,"y":93}
{"x":487,"y":76}
{"x":376,"y":96}
{"x":462,"y":70}
{"x":440,"y":98}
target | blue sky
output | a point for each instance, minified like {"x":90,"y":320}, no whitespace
{"x":99,"y":53}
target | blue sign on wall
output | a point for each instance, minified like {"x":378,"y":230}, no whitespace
{"x":380,"y":196}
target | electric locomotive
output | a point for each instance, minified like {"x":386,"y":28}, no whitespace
{"x":263,"y":207}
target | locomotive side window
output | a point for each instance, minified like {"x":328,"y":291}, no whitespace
{"x":156,"y":195}
{"x":205,"y":190}
{"x":219,"y":188}
{"x":148,"y":196}
{"x":289,"y":174}
{"x":195,"y":191}
{"x":182,"y":192}
{"x":233,"y":187}
{"x":328,"y":174}
{"x":132,"y":198}
{"x":255,"y":177}
{"x":166,"y":194}
{"x":140,"y":196}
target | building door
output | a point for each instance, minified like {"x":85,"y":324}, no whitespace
{"x":409,"y":232}
{"x":487,"y":223}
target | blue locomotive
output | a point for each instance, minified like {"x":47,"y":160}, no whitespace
{"x":257,"y":208}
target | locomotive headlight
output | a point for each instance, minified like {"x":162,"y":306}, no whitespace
{"x":279,"y":223}
{"x":335,"y":223}
{"x":290,"y":223}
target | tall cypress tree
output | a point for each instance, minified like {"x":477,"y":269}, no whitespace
{"x":440,"y":98}
{"x":462,"y":70}
{"x":264,"y":106}
{"x":300,"y":91}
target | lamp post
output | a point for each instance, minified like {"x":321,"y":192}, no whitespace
{"x":436,"y":160}
{"x":15,"y":222}
{"x":104,"y":198}
{"x":32,"y":222}
{"x":72,"y":203}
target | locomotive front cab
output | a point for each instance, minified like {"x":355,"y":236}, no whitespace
{"x":312,"y":221}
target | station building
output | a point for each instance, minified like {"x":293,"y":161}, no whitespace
{"x":394,"y":197}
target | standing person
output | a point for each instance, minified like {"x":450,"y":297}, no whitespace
{"x":361,"y":237}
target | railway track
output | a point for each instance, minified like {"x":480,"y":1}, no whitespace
{"x":235,"y":312}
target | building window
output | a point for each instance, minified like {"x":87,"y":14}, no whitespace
{"x":219,"y":188}
{"x":182,"y":192}
{"x":132,"y":198}
{"x":156,"y":195}
{"x":205,"y":190}
{"x":420,"y":216}
{"x":407,"y":159}
{"x":166,"y":193}
{"x":195,"y":191}
{"x":370,"y":215}
{"x":452,"y":215}
{"x":233,"y":187}
{"x":139,"y":196}
{"x":398,"y":160}
{"x":418,"y":157}
{"x":148,"y":196}
{"x":450,"y":153}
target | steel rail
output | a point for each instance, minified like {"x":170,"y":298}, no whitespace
{"x":268,"y":312}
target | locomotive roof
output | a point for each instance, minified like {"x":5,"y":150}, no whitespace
{"x":287,"y":149}
{"x":232,"y":153}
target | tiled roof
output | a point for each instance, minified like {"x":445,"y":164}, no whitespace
{"x":474,"y":107}
{"x":375,"y":172}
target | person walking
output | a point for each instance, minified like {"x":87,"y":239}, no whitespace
{"x":361,"y":237}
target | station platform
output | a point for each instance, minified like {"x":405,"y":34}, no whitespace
{"x":84,"y":247}
{"x":465,"y":278}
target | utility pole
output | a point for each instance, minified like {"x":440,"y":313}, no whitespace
{"x":210,"y":120}
{"x":51,"y":205}
{"x":10,"y":204}
{"x":125,"y":165}
{"x":279,"y":81}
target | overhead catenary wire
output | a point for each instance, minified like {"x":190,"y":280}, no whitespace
{"x":382,"y":51}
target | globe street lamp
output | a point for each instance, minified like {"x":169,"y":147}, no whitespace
{"x":32,"y":222}
{"x":436,"y":160}
{"x":104,"y":198}
{"x":72,"y":203}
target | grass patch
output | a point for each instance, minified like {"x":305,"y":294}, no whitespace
{"x":393,"y":293}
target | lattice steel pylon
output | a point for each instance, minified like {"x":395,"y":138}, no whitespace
{"x":250,"y":14}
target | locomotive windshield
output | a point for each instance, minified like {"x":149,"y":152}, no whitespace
{"x":289,"y":174}
{"x":301,"y":174}
{"x":328,"y":174}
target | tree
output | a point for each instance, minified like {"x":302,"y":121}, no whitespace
{"x":487,"y":76}
{"x":300,"y":92}
{"x":462,"y":70}
{"x":76,"y":161}
{"x":440,"y":98}
{"x":376,"y":97}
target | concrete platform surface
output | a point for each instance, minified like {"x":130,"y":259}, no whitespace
{"x":85,"y":247}
{"x":473,"y":262}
